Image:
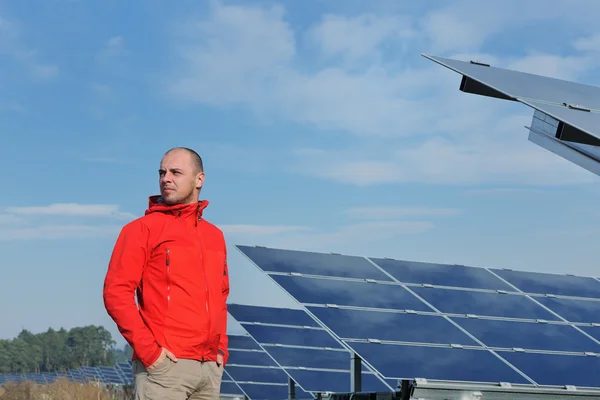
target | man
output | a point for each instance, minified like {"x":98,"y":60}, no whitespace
{"x":176,"y":263}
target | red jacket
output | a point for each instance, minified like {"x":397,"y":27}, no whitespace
{"x":177,"y":263}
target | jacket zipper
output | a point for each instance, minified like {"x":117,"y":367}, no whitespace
{"x":205,"y":282}
{"x":168,"y":264}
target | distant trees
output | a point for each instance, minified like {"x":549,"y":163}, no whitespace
{"x":60,"y":350}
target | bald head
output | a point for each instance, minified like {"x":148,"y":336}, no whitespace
{"x":195,"y":157}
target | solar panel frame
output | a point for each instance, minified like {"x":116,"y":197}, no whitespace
{"x":528,"y":381}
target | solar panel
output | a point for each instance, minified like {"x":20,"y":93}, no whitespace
{"x":252,"y":370}
{"x":309,"y":354}
{"x":308,"y":263}
{"x":411,"y":272}
{"x":544,"y":283}
{"x":566,"y":119}
{"x":343,"y":293}
{"x":492,"y":304}
{"x":486,"y":331}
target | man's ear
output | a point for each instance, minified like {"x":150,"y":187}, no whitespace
{"x":199,"y":180}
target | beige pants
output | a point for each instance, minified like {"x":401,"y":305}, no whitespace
{"x":183,"y":380}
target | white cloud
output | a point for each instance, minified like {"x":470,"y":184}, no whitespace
{"x":560,"y":67}
{"x":72,"y":209}
{"x":467,"y":25}
{"x":348,"y":235}
{"x":12,"y":45}
{"x":58,"y":232}
{"x":260,"y":230}
{"x":59,"y":221}
{"x":397,"y":212}
{"x":442,"y":161}
{"x":590,"y":43}
{"x":250,"y":56}
{"x":355,"y":38}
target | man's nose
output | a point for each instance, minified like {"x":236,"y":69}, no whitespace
{"x":165,"y":178}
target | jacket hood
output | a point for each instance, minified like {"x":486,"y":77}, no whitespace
{"x":156,"y":204}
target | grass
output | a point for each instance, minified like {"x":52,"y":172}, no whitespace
{"x":61,"y":389}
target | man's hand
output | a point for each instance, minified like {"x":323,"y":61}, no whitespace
{"x":164,"y":354}
{"x":219,"y":360}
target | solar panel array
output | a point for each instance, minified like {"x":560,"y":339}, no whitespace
{"x":315,"y":360}
{"x":120,"y":374}
{"x":249,"y":373}
{"x":412,"y":320}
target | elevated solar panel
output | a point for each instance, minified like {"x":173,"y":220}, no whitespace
{"x":566,"y":118}
{"x":480,"y":325}
{"x":255,"y":373}
{"x":315,"y":360}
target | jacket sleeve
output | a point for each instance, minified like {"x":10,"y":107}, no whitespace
{"x":124,"y":274}
{"x":224,"y":342}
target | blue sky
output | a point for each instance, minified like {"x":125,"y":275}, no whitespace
{"x":320,"y":125}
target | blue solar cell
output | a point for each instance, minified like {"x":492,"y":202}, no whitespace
{"x":441,"y":274}
{"x":593,"y":331}
{"x":528,"y":335}
{"x":573,"y":310}
{"x":310,"y":358}
{"x":270,"y":315}
{"x":292,"y":336}
{"x":436,"y":363}
{"x":359,"y":324}
{"x":242,"y":342}
{"x":339,"y":382}
{"x":257,"y":374}
{"x":272,"y":392}
{"x":528,"y":86}
{"x":275,"y":260}
{"x":556,"y":369}
{"x":250,"y":358}
{"x":483,"y":303}
{"x":544,"y":283}
{"x":346,"y":293}
{"x":230,"y":389}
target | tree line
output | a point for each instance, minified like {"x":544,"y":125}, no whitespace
{"x":60,"y":350}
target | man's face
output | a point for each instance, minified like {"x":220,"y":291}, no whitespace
{"x":178,"y":179}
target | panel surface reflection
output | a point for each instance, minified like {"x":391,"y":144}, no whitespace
{"x":230,"y":388}
{"x":310,"y":358}
{"x":559,"y":370}
{"x":441,"y":274}
{"x":242,"y":342}
{"x":359,"y":324}
{"x":436,"y":363}
{"x":350,"y":293}
{"x":292,"y":336}
{"x":573,"y":310}
{"x":257,"y":374}
{"x":453,"y":301}
{"x":270,"y":315}
{"x":276,"y":260}
{"x":544,"y":283}
{"x":528,"y":335}
{"x":258,"y":358}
